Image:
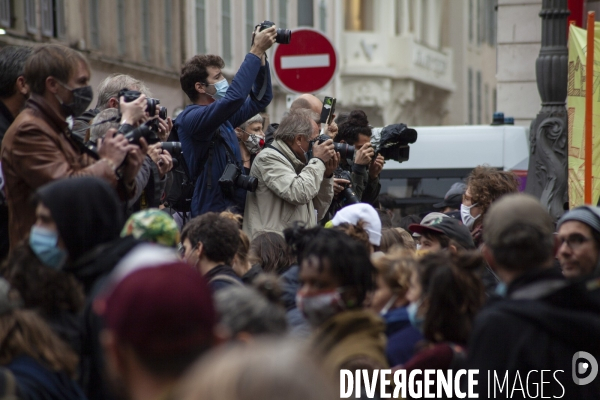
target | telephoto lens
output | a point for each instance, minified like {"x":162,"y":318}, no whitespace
{"x":174,"y":148}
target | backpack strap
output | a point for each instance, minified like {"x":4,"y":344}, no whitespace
{"x":225,"y":278}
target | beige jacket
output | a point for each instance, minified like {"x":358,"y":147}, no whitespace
{"x":288,"y":191}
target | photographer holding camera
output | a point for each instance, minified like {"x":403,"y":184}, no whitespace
{"x":206,"y":127}
{"x":356,"y":180}
{"x":292,"y":185}
{"x":39,"y":148}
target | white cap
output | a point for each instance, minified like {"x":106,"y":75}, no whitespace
{"x":354,"y":213}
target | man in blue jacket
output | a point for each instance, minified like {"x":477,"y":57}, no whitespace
{"x":206,"y":127}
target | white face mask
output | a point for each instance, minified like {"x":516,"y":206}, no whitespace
{"x":467,"y":218}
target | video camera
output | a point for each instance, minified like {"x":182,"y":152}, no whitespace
{"x":392,"y":141}
{"x":152,"y":106}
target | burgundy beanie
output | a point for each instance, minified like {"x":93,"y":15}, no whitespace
{"x":160,"y":310}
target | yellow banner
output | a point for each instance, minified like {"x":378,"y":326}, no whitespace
{"x":576,"y":113}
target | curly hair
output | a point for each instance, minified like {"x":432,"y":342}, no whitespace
{"x":356,"y":124}
{"x":396,"y":269}
{"x":219,"y":236}
{"x":394,"y":238}
{"x":40,"y":287}
{"x":356,"y":232}
{"x":487,"y":184}
{"x":194,"y":70}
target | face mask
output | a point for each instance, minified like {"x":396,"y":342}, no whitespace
{"x":254,"y":143}
{"x":415,"y":320}
{"x":221,"y":88}
{"x":467,"y":218}
{"x":319,"y":308}
{"x":82,"y":97}
{"x":501,"y":289}
{"x":44,"y":244}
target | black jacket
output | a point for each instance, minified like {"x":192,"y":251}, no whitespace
{"x":365,"y":188}
{"x":540,"y":324}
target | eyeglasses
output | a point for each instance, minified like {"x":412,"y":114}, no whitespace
{"x":574,"y":241}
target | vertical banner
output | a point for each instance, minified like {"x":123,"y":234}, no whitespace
{"x":576,"y":93}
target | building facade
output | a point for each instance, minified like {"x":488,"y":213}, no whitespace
{"x":143,"y":38}
{"x":421,"y":62}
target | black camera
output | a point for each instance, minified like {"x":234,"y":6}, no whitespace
{"x":174,"y":148}
{"x":393,"y":141}
{"x":142,"y":131}
{"x":346,"y":196}
{"x":151,"y":107}
{"x":232,"y":178}
{"x":284,"y":36}
{"x":345,"y":150}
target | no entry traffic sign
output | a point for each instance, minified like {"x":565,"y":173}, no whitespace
{"x":307,"y":64}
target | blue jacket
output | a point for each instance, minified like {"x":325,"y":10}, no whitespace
{"x":196,"y":124}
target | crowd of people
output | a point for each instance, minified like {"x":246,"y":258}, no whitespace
{"x":267,"y":276}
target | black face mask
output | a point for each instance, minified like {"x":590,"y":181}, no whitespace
{"x":82,"y":97}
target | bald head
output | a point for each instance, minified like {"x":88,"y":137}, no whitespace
{"x":309,"y":102}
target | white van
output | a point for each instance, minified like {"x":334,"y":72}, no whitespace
{"x":443,"y":155}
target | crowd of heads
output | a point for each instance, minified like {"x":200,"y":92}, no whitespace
{"x":107,"y":302}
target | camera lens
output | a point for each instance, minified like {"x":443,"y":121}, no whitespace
{"x":162,"y":112}
{"x":284,"y":36}
{"x":346,"y":151}
{"x":349,"y":196}
{"x":249,"y":183}
{"x":151,"y":107}
{"x":174,"y":148}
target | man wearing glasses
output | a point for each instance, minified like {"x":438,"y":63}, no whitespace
{"x":578,"y":233}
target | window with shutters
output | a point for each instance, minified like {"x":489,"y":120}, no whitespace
{"x":146,"y":30}
{"x":30,"y":20}
{"x":226,"y":31}
{"x":283,"y":14}
{"x":60,"y":28}
{"x":200,"y":26}
{"x":305,"y":13}
{"x":323,"y":16}
{"x":250,"y":22}
{"x":94,"y":24}
{"x":168,"y":32}
{"x":47,"y":14}
{"x":5,"y":14}
{"x":121,"y":31}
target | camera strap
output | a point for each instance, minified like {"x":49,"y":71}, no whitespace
{"x":263,"y":89}
{"x":211,"y":149}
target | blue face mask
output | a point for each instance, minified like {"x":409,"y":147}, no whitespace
{"x":501,"y":289}
{"x":415,"y":320}
{"x":221,"y":88}
{"x":44,"y":244}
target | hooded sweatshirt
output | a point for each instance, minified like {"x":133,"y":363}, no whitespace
{"x":86,"y":210}
{"x":540,"y":325}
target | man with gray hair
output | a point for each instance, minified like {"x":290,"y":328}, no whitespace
{"x":108,"y":97}
{"x":293,"y":185}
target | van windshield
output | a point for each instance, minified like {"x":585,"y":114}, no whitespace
{"x":415,"y":191}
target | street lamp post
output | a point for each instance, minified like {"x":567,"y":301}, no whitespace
{"x":547,"y":175}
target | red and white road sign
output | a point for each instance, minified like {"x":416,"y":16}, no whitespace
{"x":307,"y":64}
